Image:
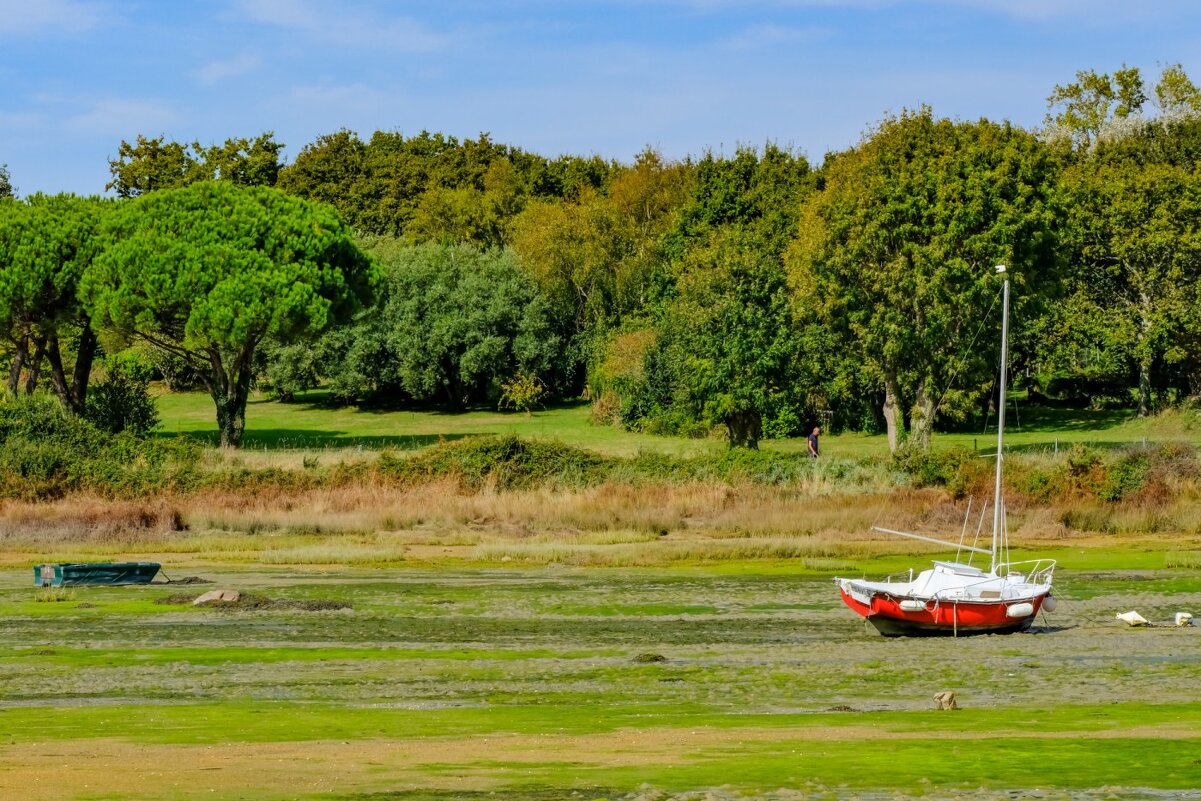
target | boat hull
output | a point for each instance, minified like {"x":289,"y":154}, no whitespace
{"x":943,"y":618}
{"x":94,"y":573}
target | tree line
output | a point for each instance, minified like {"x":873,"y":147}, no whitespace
{"x":749,"y":290}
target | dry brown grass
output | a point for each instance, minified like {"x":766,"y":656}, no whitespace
{"x":617,"y":524}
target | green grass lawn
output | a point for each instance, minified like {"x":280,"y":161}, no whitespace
{"x":310,"y":423}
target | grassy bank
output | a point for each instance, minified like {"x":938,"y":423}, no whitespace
{"x":533,"y":501}
{"x":310,"y":425}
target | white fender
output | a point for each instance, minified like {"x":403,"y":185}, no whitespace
{"x":1049,"y":603}
{"x":1024,"y":609}
{"x":912,"y":605}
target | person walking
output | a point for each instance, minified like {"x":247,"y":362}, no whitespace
{"x":813,"y":450}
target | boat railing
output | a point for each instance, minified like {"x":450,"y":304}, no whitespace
{"x":897,"y":578}
{"x":1032,"y":571}
{"x":1039,"y":573}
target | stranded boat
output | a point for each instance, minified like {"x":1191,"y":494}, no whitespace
{"x":102,"y":573}
{"x":956,"y":598}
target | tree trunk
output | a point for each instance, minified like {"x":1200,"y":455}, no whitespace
{"x":230,"y":392}
{"x":82,"y":374}
{"x":921,"y":417}
{"x":19,"y":358}
{"x":35,"y":365}
{"x":745,"y":429}
{"x":1145,"y":356}
{"x":73,"y":395}
{"x":1144,"y":385}
{"x":986,"y":404}
{"x":894,"y":420}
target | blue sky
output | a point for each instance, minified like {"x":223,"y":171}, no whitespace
{"x":572,"y":76}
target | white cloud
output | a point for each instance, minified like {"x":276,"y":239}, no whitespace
{"x":1020,"y":9}
{"x":20,"y":120}
{"x":762,"y":36}
{"x":345,"y":24}
{"x":217,"y":71}
{"x":1032,"y":9}
{"x":24,"y":17}
{"x":122,"y":117}
{"x":333,"y":100}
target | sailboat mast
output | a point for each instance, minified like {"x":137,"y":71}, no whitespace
{"x":998,"y":508}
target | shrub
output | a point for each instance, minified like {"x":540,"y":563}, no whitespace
{"x":177,"y":374}
{"x":502,"y":462}
{"x":290,"y":369}
{"x":121,"y":403}
{"x":1124,"y":477}
{"x":522,"y":392}
{"x":40,"y":417}
{"x":958,"y":469}
{"x":46,"y":452}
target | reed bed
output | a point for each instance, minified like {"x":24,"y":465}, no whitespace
{"x":612,"y":524}
{"x":508,"y":500}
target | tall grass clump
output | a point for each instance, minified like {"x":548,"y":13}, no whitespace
{"x":510,"y":463}
{"x":1134,"y":475}
{"x":46,"y":452}
{"x":960,"y":470}
{"x":501,"y":463}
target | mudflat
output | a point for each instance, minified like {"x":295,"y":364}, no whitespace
{"x":584,"y":683}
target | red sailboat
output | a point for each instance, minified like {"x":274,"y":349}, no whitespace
{"x":956,"y":598}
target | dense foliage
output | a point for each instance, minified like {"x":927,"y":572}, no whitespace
{"x":752,"y":293}
{"x":450,"y":326}
{"x":209,"y":271}
{"x":47,"y":451}
{"x":46,"y":245}
{"x":896,"y":254}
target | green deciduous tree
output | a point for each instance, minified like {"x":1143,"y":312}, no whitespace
{"x":1082,"y":108}
{"x":329,"y":170}
{"x":599,"y":259}
{"x":466,"y":215}
{"x":46,"y":245}
{"x":1176,"y":95}
{"x":6,"y":183}
{"x":148,"y":165}
{"x":757,"y":193}
{"x":896,"y":254}
{"x":1133,"y":229}
{"x":429,"y":187}
{"x":1096,"y":107}
{"x":209,"y":271}
{"x":452,"y":324}
{"x":729,"y":340}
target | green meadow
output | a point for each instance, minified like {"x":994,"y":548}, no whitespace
{"x":309,"y":423}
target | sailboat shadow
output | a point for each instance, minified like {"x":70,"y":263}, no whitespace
{"x":1051,"y":629}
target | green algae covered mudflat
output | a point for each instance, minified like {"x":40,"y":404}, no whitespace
{"x":574,"y":683}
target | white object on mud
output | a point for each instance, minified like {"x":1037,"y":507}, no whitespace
{"x":945,"y":700}
{"x":218,"y":596}
{"x":1133,"y":618}
{"x":1184,"y":619}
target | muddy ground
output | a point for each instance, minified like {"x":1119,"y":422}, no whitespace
{"x":632,"y":650}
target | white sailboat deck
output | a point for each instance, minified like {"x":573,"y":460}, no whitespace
{"x":957,"y":581}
